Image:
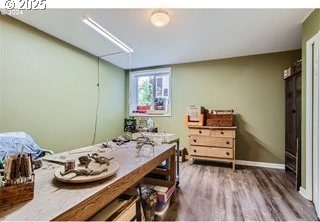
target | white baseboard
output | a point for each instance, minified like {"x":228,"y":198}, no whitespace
{"x":303,"y":193}
{"x":260,"y":164}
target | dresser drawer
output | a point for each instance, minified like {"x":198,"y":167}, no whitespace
{"x":203,"y":132}
{"x":211,"y":141}
{"x":223,"y":133}
{"x":211,"y":152}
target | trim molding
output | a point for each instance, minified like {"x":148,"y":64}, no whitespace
{"x":308,"y":116}
{"x":312,"y":171}
{"x":304,"y":193}
{"x":260,"y":164}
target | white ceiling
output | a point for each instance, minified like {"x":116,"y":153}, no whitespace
{"x":191,"y":35}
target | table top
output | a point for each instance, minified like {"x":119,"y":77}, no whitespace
{"x":52,"y":198}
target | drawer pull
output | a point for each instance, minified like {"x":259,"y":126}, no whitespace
{"x":195,"y":151}
{"x":200,"y":131}
{"x":195,"y":140}
{"x":228,"y":142}
{"x":227,"y":153}
{"x":222,"y":133}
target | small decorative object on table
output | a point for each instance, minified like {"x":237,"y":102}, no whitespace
{"x":69,"y":165}
{"x":89,"y":168}
{"x":18,"y":184}
{"x":130,"y":125}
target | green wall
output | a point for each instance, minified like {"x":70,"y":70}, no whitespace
{"x":251,"y":85}
{"x":49,"y":89}
{"x":311,"y":26}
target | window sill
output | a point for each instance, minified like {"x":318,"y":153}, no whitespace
{"x":149,"y":115}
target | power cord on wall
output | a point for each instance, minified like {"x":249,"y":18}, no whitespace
{"x":98,"y":99}
{"x":98,"y":104}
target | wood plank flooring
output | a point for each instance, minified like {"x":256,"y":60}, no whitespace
{"x":208,"y":192}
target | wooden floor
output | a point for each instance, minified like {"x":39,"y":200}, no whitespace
{"x":217,"y":193}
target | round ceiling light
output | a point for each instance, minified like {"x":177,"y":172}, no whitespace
{"x":160,"y":18}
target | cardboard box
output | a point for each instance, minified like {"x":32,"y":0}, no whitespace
{"x":194,"y":113}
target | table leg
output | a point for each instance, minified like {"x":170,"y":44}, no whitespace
{"x":178,"y":163}
{"x":172,"y":172}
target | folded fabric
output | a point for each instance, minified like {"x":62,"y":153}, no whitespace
{"x":12,"y":143}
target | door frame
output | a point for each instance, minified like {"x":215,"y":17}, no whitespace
{"x":310,"y":158}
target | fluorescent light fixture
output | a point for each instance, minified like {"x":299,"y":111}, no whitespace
{"x":94,"y":25}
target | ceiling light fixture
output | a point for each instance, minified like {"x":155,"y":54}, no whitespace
{"x":160,"y":18}
{"x":94,"y":25}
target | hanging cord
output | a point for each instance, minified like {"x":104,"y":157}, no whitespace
{"x":98,"y":104}
{"x":130,"y":62}
{"x":98,"y":99}
{"x":129,"y":91}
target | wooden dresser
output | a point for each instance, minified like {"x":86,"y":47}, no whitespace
{"x":212,"y":143}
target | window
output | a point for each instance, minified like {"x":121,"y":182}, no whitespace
{"x":150,"y":92}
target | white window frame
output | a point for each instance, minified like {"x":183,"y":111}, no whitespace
{"x":133,"y":91}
